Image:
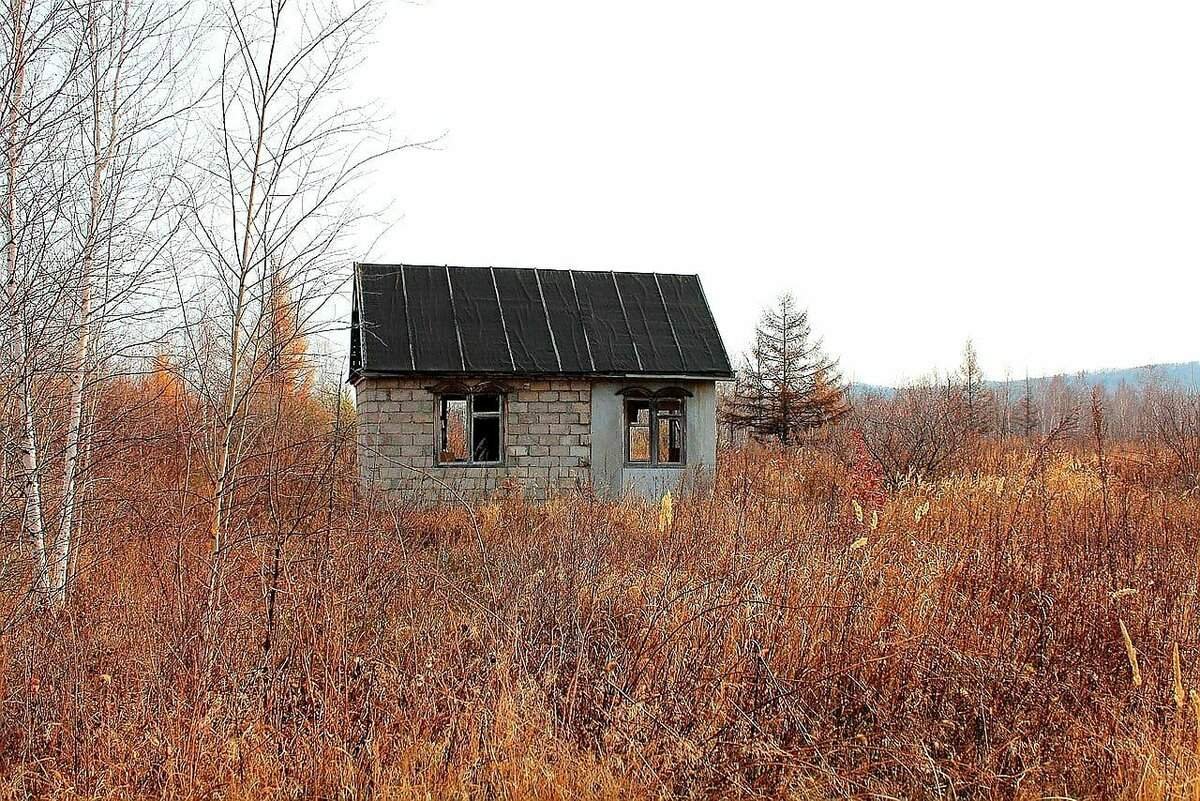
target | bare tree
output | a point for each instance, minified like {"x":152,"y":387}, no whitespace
{"x":88,"y":85}
{"x":1003,"y":406}
{"x":1173,"y":415}
{"x":918,"y":432}
{"x":134,"y":84}
{"x":41,"y":62}
{"x":276,"y":203}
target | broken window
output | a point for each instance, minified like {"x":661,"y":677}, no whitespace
{"x":654,"y":431}
{"x":669,"y":414}
{"x":470,"y":429}
{"x":637,"y":416}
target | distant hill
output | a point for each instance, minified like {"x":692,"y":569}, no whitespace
{"x":1182,"y":374}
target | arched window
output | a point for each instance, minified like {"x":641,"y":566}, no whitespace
{"x":655,"y":426}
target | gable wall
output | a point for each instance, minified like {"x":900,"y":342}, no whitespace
{"x":548,"y":439}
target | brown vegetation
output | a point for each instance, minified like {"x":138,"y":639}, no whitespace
{"x":198,"y":600}
{"x":1008,"y":628}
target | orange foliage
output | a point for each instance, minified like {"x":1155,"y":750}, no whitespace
{"x":978,"y":644}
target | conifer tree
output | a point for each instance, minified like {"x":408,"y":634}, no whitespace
{"x":1028,"y":418}
{"x":976,"y":398}
{"x":787,"y":384}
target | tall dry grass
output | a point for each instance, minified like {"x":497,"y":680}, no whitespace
{"x":978,"y":639}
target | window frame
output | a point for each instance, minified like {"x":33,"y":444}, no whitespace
{"x":439,"y":427}
{"x":653,"y":399}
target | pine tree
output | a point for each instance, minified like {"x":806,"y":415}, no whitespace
{"x":1028,"y":418}
{"x":976,"y":398}
{"x":787,"y":385}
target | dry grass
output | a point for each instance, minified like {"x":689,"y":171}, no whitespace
{"x":979,"y":643}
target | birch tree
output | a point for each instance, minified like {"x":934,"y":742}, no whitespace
{"x":276,"y":208}
{"x":87,"y":87}
{"x":40,"y":64}
{"x":136,"y":85}
{"x":32,"y":524}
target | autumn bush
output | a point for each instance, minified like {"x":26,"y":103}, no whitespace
{"x":1019,"y":628}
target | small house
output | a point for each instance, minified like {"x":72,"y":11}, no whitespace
{"x":473,"y":379}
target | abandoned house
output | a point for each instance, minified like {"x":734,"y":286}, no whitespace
{"x":471,"y":380}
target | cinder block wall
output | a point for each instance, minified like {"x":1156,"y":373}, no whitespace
{"x":547,"y":440}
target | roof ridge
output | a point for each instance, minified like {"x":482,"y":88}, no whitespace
{"x":399,"y":264}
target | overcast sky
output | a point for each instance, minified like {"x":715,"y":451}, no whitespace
{"x":916,"y":173}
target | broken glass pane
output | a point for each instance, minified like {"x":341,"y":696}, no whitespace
{"x":487,"y":403}
{"x":486,"y":433}
{"x":669,"y":433}
{"x":668,"y":406}
{"x":637,"y":416}
{"x":670,"y":440}
{"x":453,"y":424}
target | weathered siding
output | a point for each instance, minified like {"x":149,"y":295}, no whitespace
{"x":547,"y":440}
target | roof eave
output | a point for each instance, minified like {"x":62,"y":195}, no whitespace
{"x":677,"y":376}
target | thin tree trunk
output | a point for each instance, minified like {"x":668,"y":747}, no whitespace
{"x":101,"y":157}
{"x":62,"y":548}
{"x":29,"y":465}
{"x":230,"y":405}
{"x":32,"y":523}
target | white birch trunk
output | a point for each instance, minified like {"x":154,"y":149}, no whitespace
{"x":101,"y":157}
{"x":62,"y":549}
{"x":27,"y":447}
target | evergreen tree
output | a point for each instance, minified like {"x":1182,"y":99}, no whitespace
{"x":1028,"y":418}
{"x":787,"y":385}
{"x":976,"y":398}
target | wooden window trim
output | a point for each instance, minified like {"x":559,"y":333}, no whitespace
{"x":438,"y":412}
{"x":653,"y":399}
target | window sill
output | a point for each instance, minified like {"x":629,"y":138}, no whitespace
{"x":478,"y":465}
{"x":645,"y":466}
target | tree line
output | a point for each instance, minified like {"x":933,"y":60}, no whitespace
{"x":788,"y":389}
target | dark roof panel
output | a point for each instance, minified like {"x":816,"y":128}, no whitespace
{"x":420,"y":319}
{"x":481,"y":323}
{"x":435,"y":342}
{"x":604,"y":319}
{"x":525,"y":318}
{"x":562,"y":304}
{"x":382,"y":318}
{"x":693,"y":322}
{"x":650,"y":321}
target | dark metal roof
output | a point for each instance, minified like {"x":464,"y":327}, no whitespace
{"x":485,"y":320}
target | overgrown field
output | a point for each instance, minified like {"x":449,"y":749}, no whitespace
{"x":1022,"y":627}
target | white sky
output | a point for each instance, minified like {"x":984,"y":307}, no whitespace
{"x":1024,"y":173}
